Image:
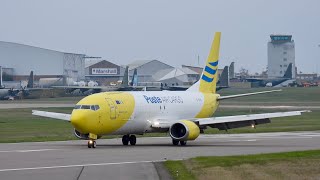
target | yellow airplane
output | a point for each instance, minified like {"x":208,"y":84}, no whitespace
{"x":184,"y":114}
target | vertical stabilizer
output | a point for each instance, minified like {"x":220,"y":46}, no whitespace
{"x":208,"y":79}
{"x":1,"y":85}
{"x":288,"y":73}
{"x":231,"y":71}
{"x":224,"y":78}
{"x":125,"y":79}
{"x":30,"y":80}
{"x":134,"y":81}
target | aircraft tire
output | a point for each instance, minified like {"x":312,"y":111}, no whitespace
{"x":125,"y":140}
{"x":133,"y":140}
{"x":183,"y":143}
{"x":175,"y":142}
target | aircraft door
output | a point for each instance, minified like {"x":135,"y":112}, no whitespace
{"x":113,"y":108}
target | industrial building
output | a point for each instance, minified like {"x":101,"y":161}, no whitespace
{"x":18,"y":60}
{"x":281,"y":52}
{"x":177,"y":77}
{"x":104,"y":72}
{"x":147,"y":68}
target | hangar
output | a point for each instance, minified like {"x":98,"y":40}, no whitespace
{"x":20,"y":59}
{"x":104,"y":72}
{"x":147,"y":68}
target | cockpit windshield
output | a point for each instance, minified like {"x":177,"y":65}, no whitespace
{"x":91,"y":107}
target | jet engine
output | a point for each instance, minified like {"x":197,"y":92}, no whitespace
{"x":184,"y":130}
{"x":80,"y":135}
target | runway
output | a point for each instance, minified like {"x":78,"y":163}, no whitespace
{"x":112,"y":160}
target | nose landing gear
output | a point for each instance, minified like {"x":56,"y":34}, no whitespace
{"x":92,"y":144}
{"x":129,"y":138}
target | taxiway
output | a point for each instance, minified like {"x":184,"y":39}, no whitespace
{"x":112,"y":160}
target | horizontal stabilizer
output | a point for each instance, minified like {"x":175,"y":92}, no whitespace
{"x":247,"y":94}
{"x":60,"y":116}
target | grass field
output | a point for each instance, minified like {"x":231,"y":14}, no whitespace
{"x":288,"y":96}
{"x":289,"y":165}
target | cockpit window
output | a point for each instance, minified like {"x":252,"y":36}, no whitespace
{"x":91,"y":107}
{"x":85,"y":107}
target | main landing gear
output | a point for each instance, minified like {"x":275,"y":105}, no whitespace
{"x":129,"y":138}
{"x":176,"y":142}
{"x":92,"y":144}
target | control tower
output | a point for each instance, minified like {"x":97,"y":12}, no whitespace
{"x":281,"y":52}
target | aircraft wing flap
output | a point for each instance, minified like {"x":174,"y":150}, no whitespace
{"x":250,"y":117}
{"x":60,"y":116}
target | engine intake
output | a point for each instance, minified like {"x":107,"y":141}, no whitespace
{"x":80,"y":135}
{"x":184,"y":130}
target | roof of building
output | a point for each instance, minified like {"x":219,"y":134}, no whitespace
{"x":194,"y":68}
{"x":138,"y":63}
{"x":91,"y":62}
{"x":13,"y":43}
{"x":175,"y":72}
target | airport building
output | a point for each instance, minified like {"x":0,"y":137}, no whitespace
{"x":281,"y":52}
{"x":104,"y":72}
{"x":146,"y":69}
{"x":18,"y":60}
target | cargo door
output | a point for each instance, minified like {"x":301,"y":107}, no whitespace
{"x":112,"y":107}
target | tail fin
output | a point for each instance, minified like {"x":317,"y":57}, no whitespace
{"x":125,"y":79}
{"x":208,"y":79}
{"x":224,"y":78}
{"x":0,"y":76}
{"x":30,"y":80}
{"x":134,"y":81}
{"x":288,"y":73}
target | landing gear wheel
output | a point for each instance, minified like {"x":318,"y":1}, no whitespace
{"x":175,"y":142}
{"x":125,"y":140}
{"x":92,"y":144}
{"x":183,"y":143}
{"x":133,"y":140}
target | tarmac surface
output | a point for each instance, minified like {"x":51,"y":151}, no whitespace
{"x":112,"y":160}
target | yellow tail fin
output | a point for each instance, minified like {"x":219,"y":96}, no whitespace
{"x":208,"y":80}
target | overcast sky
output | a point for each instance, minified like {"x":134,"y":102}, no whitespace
{"x":173,"y":31}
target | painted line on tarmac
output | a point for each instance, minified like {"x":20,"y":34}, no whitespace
{"x":81,"y":165}
{"x":30,"y":150}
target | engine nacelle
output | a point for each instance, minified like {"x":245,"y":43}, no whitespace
{"x":80,"y":135}
{"x":184,"y":130}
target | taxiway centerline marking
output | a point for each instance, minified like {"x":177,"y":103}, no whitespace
{"x":81,"y":165}
{"x":30,"y":150}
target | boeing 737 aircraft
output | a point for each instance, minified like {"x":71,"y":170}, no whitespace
{"x":184,"y":114}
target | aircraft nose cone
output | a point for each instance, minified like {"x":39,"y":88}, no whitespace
{"x":78,"y":120}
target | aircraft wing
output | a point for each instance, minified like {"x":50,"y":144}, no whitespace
{"x":60,"y":116}
{"x":229,"y":122}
